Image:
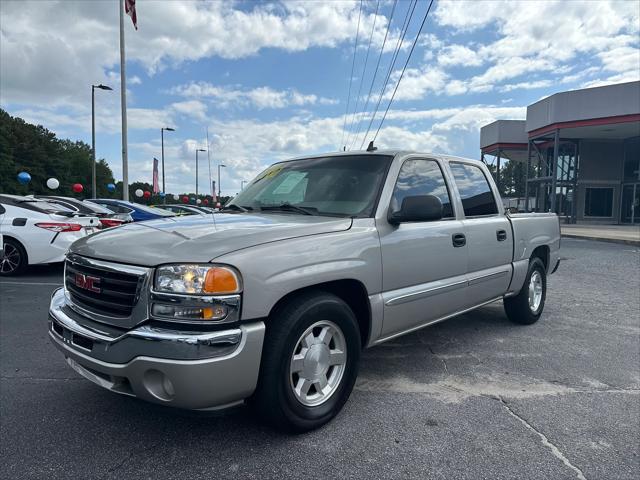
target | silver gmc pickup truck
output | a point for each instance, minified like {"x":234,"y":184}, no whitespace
{"x":272,"y":300}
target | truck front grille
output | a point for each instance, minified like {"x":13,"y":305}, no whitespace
{"x":104,"y":291}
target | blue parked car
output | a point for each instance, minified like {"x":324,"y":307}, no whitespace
{"x":137,"y":211}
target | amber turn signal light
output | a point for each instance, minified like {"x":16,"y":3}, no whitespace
{"x":221,"y":280}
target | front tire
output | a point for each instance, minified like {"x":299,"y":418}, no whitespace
{"x":14,"y":259}
{"x":526,"y":307}
{"x":309,"y":362}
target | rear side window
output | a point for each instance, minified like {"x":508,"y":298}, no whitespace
{"x":476,"y":194}
{"x":421,"y":177}
{"x":117,"y":208}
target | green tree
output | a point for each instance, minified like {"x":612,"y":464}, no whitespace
{"x":36,"y":150}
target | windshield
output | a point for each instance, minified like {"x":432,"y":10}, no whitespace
{"x":336,"y":186}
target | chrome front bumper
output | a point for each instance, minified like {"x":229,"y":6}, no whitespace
{"x":194,"y":370}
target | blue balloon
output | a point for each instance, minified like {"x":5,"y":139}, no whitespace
{"x":24,"y":178}
{"x":162,"y":194}
{"x":111,"y":187}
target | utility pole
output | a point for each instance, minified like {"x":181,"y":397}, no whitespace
{"x":123,"y":108}
{"x":197,"y":150}
{"x":219,"y":189}
{"x":168,"y":129}
{"x":94,"y":192}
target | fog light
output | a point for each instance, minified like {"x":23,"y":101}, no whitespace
{"x":159,"y":385}
{"x":215,"y":312}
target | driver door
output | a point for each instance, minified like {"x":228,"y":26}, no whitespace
{"x":424,"y":269}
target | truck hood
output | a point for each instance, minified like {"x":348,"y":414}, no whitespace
{"x":197,"y":238}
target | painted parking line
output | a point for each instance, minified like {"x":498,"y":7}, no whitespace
{"x":31,"y":283}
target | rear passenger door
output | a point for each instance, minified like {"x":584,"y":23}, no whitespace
{"x":424,"y":273}
{"x":488,"y":234}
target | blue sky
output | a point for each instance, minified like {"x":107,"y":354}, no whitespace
{"x":270,"y":79}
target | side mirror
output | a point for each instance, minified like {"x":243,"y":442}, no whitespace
{"x":418,"y":208}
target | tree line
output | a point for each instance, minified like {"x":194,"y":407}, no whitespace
{"x":25,"y":147}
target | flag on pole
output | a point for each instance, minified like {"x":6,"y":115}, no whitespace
{"x":130,"y":8}
{"x":156,"y":187}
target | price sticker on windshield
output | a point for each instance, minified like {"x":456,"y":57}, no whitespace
{"x":270,"y":172}
{"x":290,"y":182}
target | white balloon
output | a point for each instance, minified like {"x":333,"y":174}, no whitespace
{"x":199,"y":202}
{"x":176,"y":197}
{"x":139,"y":193}
{"x":53,"y":183}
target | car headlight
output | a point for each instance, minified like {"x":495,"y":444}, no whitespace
{"x":197,"y":279}
{"x":196,"y":292}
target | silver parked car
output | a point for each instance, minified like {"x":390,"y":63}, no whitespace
{"x":272,"y":300}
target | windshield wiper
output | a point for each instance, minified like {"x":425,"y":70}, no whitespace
{"x":239,"y":208}
{"x":287,"y":207}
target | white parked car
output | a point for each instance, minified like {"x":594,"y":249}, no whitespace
{"x":35,"y":231}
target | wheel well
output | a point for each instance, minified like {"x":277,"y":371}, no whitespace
{"x":352,"y":292}
{"x":542,"y":252}
{"x":9,"y":237}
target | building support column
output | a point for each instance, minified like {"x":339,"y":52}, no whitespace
{"x":554,"y":168}
{"x":526,"y":177}
{"x":498,"y":172}
{"x":574,"y":202}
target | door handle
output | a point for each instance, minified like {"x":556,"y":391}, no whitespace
{"x":459,"y":240}
{"x":501,"y":235}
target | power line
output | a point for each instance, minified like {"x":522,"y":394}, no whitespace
{"x":405,"y":26}
{"x":364,"y":70}
{"x":375,"y":73}
{"x":353,"y":63}
{"x":415,"y":41}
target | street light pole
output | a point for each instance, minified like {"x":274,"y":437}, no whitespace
{"x":168,"y":129}
{"x":93,"y":136}
{"x":219,"y":189}
{"x":197,"y":150}
{"x":242,"y":184}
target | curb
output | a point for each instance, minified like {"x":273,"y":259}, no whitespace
{"x":623,"y":241}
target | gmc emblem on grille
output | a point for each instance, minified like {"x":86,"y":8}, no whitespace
{"x":87,"y":282}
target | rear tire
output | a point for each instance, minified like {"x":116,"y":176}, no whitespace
{"x":526,"y":307}
{"x":14,"y":259}
{"x":309,"y":362}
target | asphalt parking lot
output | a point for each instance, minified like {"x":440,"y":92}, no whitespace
{"x":474,"y":397}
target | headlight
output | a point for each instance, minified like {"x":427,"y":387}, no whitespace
{"x":196,"y":293}
{"x":197,"y":279}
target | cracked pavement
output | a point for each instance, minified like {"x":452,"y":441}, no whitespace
{"x":473,"y":397}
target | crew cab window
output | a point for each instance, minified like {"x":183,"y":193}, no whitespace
{"x":476,"y":194}
{"x":421,"y":177}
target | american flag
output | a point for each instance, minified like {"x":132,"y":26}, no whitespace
{"x":130,"y":8}
{"x":156,"y":187}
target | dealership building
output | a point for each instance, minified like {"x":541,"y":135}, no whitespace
{"x":582,"y":152}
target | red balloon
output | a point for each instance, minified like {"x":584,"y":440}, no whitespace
{"x":77,"y":187}
{"x":185,"y":199}
{"x":205,"y":201}
{"x":146,"y":194}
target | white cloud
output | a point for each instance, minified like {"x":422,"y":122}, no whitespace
{"x":526,"y":85}
{"x":75,"y":44}
{"x":260,"y":98}
{"x":606,"y":30}
{"x":453,"y":55}
{"x":191,"y":108}
{"x":416,"y":83}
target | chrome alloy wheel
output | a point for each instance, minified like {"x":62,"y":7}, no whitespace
{"x":535,"y":291}
{"x":318,"y":363}
{"x":10,"y":259}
